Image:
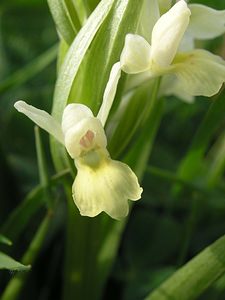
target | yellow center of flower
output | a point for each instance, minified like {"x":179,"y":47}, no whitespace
{"x":94,"y":159}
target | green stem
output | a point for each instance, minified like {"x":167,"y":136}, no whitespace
{"x":91,"y":247}
{"x":16,"y":284}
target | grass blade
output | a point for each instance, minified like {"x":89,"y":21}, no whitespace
{"x":17,"y":282}
{"x":190,"y":166}
{"x":5,"y":240}
{"x":30,"y":70}
{"x":67,"y":25}
{"x":20,"y":217}
{"x":195,"y":277}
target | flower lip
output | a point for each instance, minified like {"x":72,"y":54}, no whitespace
{"x":93,"y":159}
{"x":103,"y":184}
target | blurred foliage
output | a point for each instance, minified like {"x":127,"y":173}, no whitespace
{"x":165,"y":229}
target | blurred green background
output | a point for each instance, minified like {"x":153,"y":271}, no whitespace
{"x":165,"y":229}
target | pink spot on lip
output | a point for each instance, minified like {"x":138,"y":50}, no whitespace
{"x":87,"y":139}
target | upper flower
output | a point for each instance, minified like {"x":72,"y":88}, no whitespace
{"x":205,"y":22}
{"x":198,"y":72}
{"x":101,"y":184}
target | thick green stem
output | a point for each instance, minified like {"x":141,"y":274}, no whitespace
{"x":86,"y":265}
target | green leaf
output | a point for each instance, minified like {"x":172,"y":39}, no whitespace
{"x":130,"y":121}
{"x":63,"y":48}
{"x":75,"y":56}
{"x":134,"y":117}
{"x":190,"y":166}
{"x":21,"y":216}
{"x":65,"y":18}
{"x":69,"y":71}
{"x":139,"y":153}
{"x":30,"y":70}
{"x":73,"y":14}
{"x":104,"y":52}
{"x":4,"y":240}
{"x":15,"y":285}
{"x":23,"y":213}
{"x":92,"y":3}
{"x":7,"y":262}
{"x":83,"y":9}
{"x":195,"y":277}
{"x":217,"y":161}
{"x":171,"y":177}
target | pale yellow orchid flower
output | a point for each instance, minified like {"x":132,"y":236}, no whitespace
{"x":197,"y":72}
{"x":205,"y":22}
{"x":101,"y":184}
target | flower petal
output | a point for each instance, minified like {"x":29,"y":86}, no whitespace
{"x":42,"y":119}
{"x":135,"y":57}
{"x":206,"y":22}
{"x":168,"y":32}
{"x":84,"y":136}
{"x":187,"y":43}
{"x":199,"y":72}
{"x":170,"y":85}
{"x":110,"y":92}
{"x":73,"y":114}
{"x":107,"y":187}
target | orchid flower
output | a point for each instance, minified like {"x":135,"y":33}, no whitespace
{"x":101,"y":184}
{"x":197,"y":72}
{"x":205,"y":22}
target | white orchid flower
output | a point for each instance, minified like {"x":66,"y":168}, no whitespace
{"x":101,"y":184}
{"x":198,"y":72}
{"x":205,"y":22}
